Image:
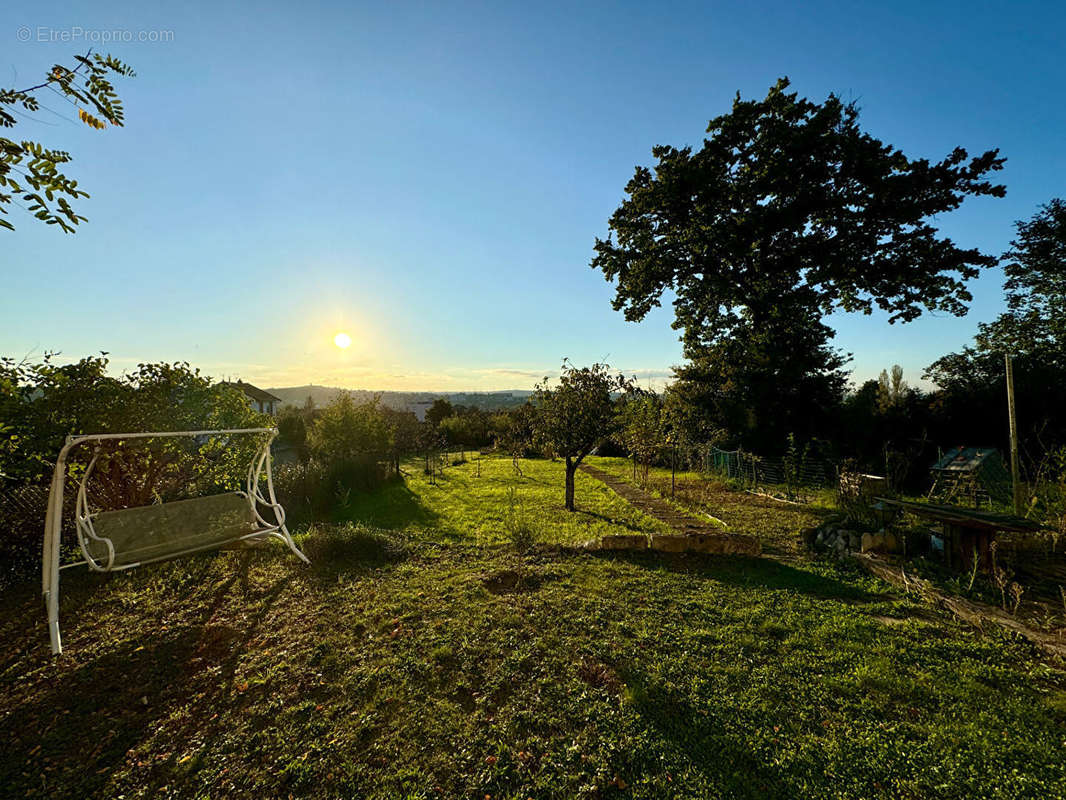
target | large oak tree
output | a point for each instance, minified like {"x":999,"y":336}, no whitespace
{"x":788,"y":212}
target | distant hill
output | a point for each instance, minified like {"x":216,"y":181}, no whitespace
{"x":324,"y":395}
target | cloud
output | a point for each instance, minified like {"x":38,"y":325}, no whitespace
{"x":522,"y":373}
{"x":649,"y":373}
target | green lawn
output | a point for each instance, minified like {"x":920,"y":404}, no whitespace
{"x":464,"y":507}
{"x":401,"y":665}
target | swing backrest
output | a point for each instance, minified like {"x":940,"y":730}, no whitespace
{"x":165,"y":530}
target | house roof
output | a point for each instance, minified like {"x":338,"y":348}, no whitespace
{"x":253,"y":392}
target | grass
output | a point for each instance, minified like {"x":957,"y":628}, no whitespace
{"x":776,"y":524}
{"x":409,"y":666}
{"x":461,"y":506}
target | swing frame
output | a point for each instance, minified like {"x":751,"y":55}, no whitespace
{"x":88,"y":536}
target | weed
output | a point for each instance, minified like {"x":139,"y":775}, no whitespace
{"x":521,"y":532}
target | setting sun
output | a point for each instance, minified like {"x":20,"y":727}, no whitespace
{"x":342,"y":340}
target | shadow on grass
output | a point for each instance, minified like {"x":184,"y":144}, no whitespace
{"x":621,"y":523}
{"x":752,"y":573}
{"x":703,"y":741}
{"x":77,"y":732}
{"x":82,"y":728}
{"x":393,"y":506}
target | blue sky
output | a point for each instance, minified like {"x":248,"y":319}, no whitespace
{"x":430,"y":177}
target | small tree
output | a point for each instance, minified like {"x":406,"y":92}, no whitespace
{"x":404,"y":431}
{"x":514,"y":433}
{"x":350,"y":438}
{"x":576,"y":415}
{"x":292,"y":425}
{"x":642,"y":428}
{"x":891,"y":389}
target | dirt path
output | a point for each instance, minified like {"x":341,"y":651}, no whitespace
{"x":652,"y":505}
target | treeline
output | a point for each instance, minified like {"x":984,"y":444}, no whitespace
{"x":42,"y":402}
{"x":759,"y":397}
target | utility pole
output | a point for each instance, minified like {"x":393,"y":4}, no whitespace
{"x":1014,"y":474}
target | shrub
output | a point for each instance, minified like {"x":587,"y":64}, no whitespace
{"x":353,"y":546}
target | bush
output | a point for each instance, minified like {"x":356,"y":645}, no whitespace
{"x":351,"y":451}
{"x":350,"y":546}
{"x":855,"y":499}
{"x":348,"y":432}
{"x":313,"y":491}
{"x":41,"y":404}
{"x":299,"y":489}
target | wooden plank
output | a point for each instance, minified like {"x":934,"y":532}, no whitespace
{"x":977,"y":614}
{"x":964,"y":517}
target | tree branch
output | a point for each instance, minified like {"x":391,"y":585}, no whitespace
{"x":53,"y":79}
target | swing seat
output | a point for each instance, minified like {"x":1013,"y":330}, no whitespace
{"x":145,"y":534}
{"x":128,"y":537}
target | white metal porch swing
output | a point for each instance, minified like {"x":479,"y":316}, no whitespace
{"x":124,"y":538}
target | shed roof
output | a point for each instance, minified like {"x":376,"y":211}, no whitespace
{"x":968,"y":459}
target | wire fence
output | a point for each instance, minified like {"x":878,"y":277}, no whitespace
{"x":22,"y":510}
{"x":754,"y":470}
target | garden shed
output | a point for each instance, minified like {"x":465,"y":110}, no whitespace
{"x":973,"y":475}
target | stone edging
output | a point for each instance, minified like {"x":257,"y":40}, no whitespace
{"x":715,"y":543}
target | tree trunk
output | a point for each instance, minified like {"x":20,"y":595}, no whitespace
{"x":673,"y":470}
{"x":571,"y":468}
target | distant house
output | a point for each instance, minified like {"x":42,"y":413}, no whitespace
{"x":259,"y":400}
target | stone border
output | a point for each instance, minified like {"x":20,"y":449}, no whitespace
{"x":711,"y":543}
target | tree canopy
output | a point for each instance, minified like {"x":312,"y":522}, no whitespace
{"x":788,"y":212}
{"x":41,"y":403}
{"x":575,"y":415}
{"x":789,"y":198}
{"x":642,"y":428}
{"x":1035,"y":268}
{"x":440,"y":410}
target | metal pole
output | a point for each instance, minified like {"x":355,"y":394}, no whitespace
{"x":1014,"y":473}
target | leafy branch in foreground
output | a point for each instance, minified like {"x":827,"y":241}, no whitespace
{"x":30,"y":171}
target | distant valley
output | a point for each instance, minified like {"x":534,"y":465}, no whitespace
{"x":324,"y":395}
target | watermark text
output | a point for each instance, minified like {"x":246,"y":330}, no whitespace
{"x":77,"y":35}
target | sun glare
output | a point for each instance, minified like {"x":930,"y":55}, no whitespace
{"x":342,"y":340}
